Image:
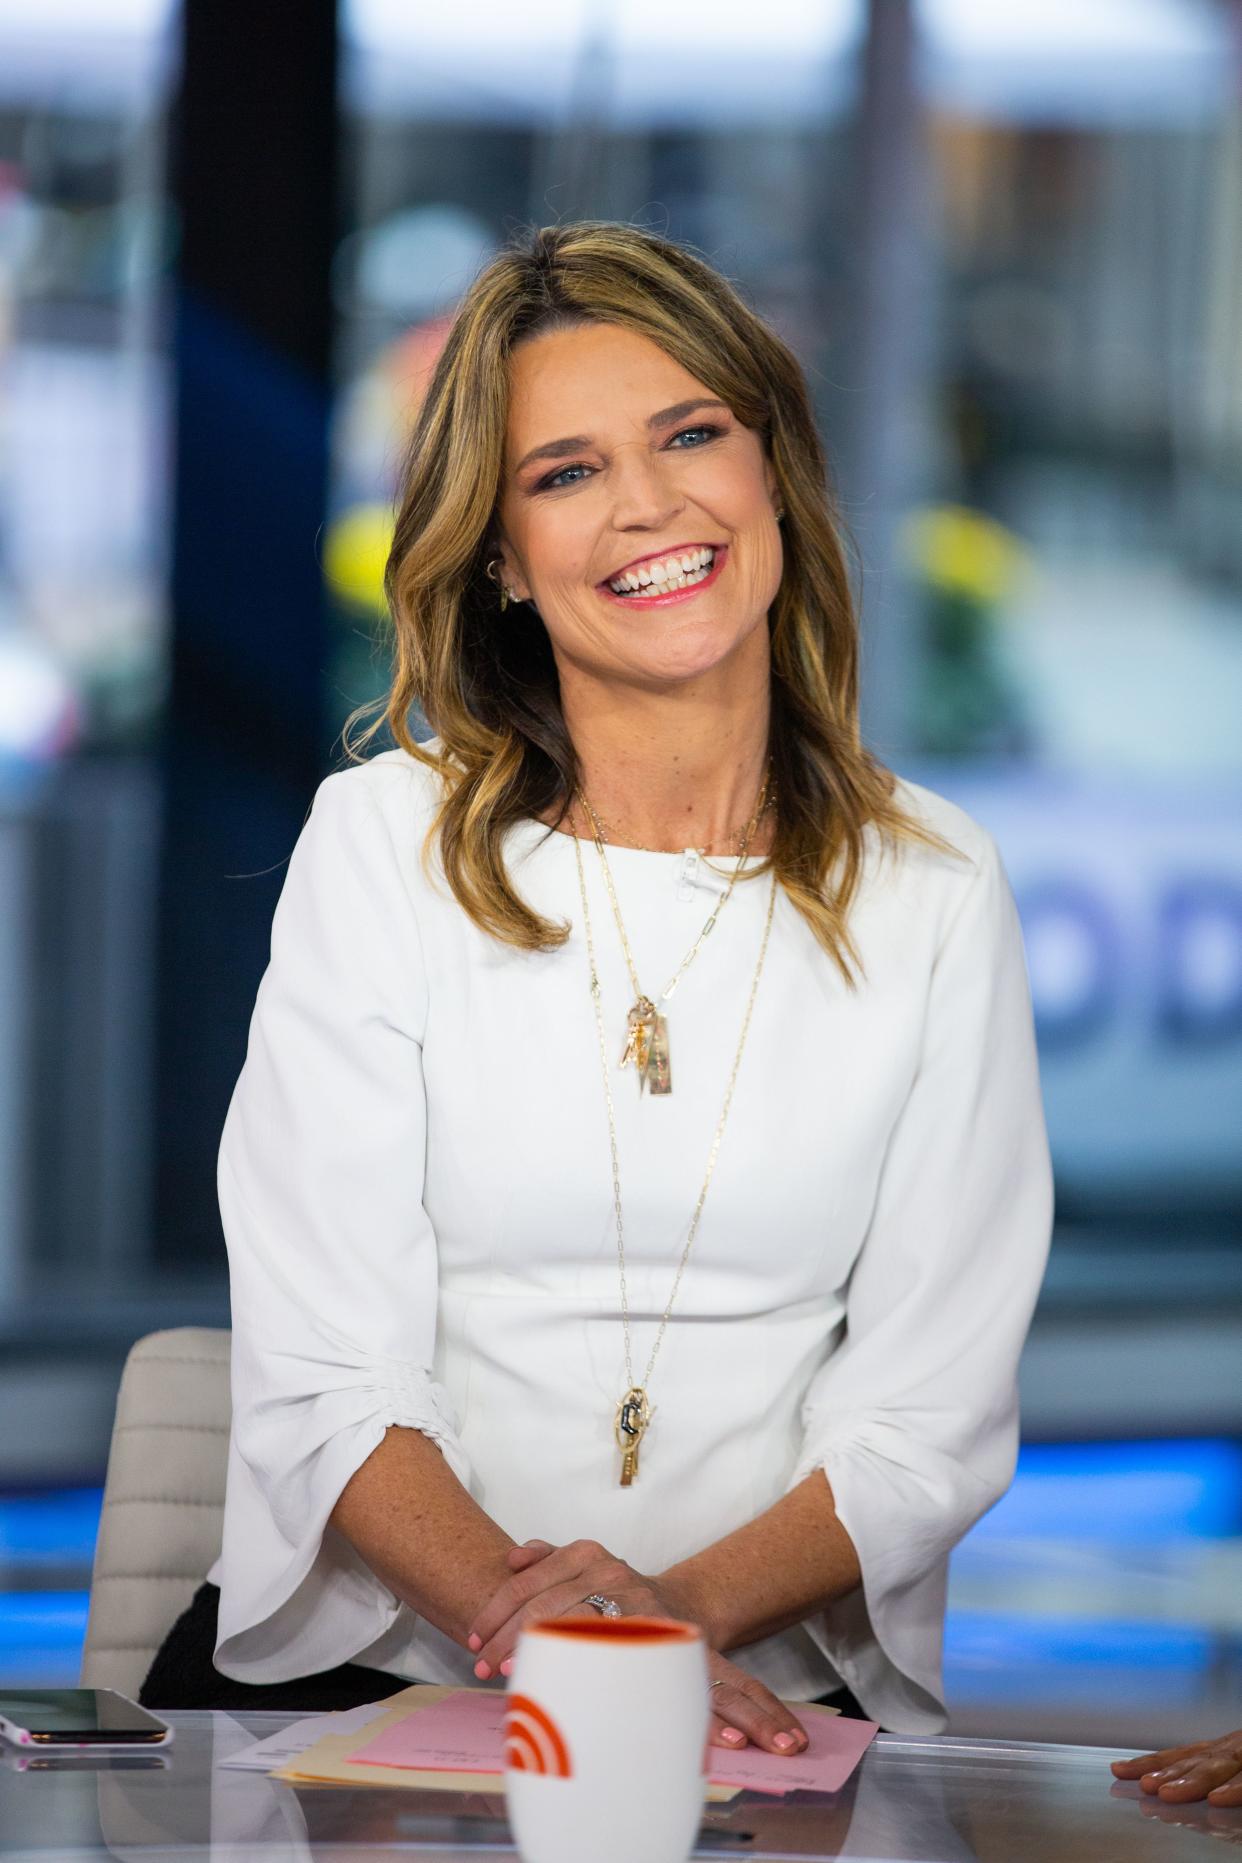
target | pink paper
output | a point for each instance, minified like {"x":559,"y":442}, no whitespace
{"x":464,"y":1733}
{"x":461,"y":1733}
{"x":836,"y":1746}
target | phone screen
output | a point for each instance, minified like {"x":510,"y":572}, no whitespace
{"x":101,"y":1714}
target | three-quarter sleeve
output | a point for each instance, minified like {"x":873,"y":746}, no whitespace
{"x":332,"y":1258}
{"x":914,"y":1419}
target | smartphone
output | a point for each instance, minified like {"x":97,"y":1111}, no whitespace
{"x":77,"y":1717}
{"x":82,"y":1759}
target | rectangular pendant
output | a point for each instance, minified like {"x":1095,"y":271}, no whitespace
{"x":659,"y":1069}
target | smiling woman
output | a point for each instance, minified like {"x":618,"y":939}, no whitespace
{"x":700,"y":501}
{"x":679,"y":424}
{"x":737,"y":1344}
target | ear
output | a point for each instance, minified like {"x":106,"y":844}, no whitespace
{"x":773,"y":485}
{"x":510,"y":572}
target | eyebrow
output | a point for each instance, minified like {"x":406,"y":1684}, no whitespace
{"x":561,"y":449}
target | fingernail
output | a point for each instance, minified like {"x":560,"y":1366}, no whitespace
{"x":474,"y":1641}
{"x":784,"y":1742}
{"x":732,"y":1734}
{"x":506,"y":1667}
{"x":482,"y":1670}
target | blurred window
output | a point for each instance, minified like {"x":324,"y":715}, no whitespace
{"x":85,"y":245}
{"x":1029,"y":357}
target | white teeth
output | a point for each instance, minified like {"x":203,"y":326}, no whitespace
{"x":659,"y":577}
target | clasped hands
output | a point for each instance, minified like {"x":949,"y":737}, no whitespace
{"x":552,"y":1581}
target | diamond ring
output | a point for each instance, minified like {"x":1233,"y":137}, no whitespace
{"x":607,"y":1607}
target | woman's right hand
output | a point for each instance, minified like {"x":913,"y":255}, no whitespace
{"x":742,"y":1708}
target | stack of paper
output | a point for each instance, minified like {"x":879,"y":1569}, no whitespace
{"x":463,"y":1733}
{"x":450,"y":1739}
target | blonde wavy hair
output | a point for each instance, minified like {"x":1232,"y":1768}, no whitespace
{"x":487,"y":685}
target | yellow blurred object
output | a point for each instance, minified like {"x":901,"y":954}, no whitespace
{"x":963,"y":552}
{"x":355,"y":552}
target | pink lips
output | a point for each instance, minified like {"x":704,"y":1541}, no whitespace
{"x":674,"y":595}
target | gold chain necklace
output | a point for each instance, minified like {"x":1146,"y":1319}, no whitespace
{"x":737,"y":836}
{"x":646,"y":1039}
{"x":633,"y":1410}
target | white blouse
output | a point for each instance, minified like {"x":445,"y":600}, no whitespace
{"x":416,"y":1191}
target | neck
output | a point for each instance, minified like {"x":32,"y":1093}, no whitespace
{"x":670,"y":771}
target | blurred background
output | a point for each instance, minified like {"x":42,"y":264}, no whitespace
{"x":1006,"y":244}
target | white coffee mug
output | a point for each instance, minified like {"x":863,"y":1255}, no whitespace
{"x":606,"y":1740}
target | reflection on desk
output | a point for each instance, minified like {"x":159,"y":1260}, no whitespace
{"x":912,"y":1800}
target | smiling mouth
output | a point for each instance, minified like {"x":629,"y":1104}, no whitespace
{"x":661,"y":575}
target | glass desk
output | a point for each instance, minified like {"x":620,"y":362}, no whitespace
{"x":913,"y":1800}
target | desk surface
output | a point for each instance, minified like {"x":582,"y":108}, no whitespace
{"x":913,"y":1800}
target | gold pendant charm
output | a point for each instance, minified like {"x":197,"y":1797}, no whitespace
{"x":641,"y":1024}
{"x":631,"y":1425}
{"x":646,"y":1045}
{"x":659,"y":1073}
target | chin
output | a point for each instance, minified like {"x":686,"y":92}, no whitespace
{"x":681,"y":672}
{"x":689,"y":658}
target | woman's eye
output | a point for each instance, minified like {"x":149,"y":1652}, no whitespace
{"x":554,"y":479}
{"x":709,"y":430}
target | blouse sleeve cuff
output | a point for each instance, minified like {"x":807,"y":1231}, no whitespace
{"x":296,"y":1598}
{"x":886,"y":1638}
{"x":411,"y":1399}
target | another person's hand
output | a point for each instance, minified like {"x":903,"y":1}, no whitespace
{"x":554,"y":1581}
{"x":1210,"y":1769}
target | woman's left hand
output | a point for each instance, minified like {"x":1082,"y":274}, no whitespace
{"x":553,"y":1581}
{"x":1210,"y":1769}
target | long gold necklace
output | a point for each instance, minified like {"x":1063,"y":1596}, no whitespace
{"x":634,"y":1412}
{"x":646,"y":1036}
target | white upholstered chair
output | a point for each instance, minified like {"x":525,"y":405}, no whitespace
{"x":163,"y":1505}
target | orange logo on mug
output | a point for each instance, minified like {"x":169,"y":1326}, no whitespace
{"x":533,"y":1741}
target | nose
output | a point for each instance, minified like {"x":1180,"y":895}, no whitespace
{"x":644,"y":495}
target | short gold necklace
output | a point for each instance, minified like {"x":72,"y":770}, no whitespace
{"x":615,"y":836}
{"x":646,"y":1038}
{"x":634,"y":1412}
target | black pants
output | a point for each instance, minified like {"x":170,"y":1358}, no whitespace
{"x":183,"y":1675}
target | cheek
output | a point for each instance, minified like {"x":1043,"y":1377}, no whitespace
{"x":765,"y":562}
{"x":559,"y":547}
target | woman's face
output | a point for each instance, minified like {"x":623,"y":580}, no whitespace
{"x":617,"y":463}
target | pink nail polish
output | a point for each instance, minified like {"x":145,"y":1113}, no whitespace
{"x":506,"y":1667}
{"x":733,"y":1734}
{"x":474,"y":1641}
{"x":784,"y":1742}
{"x":482,"y":1670}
